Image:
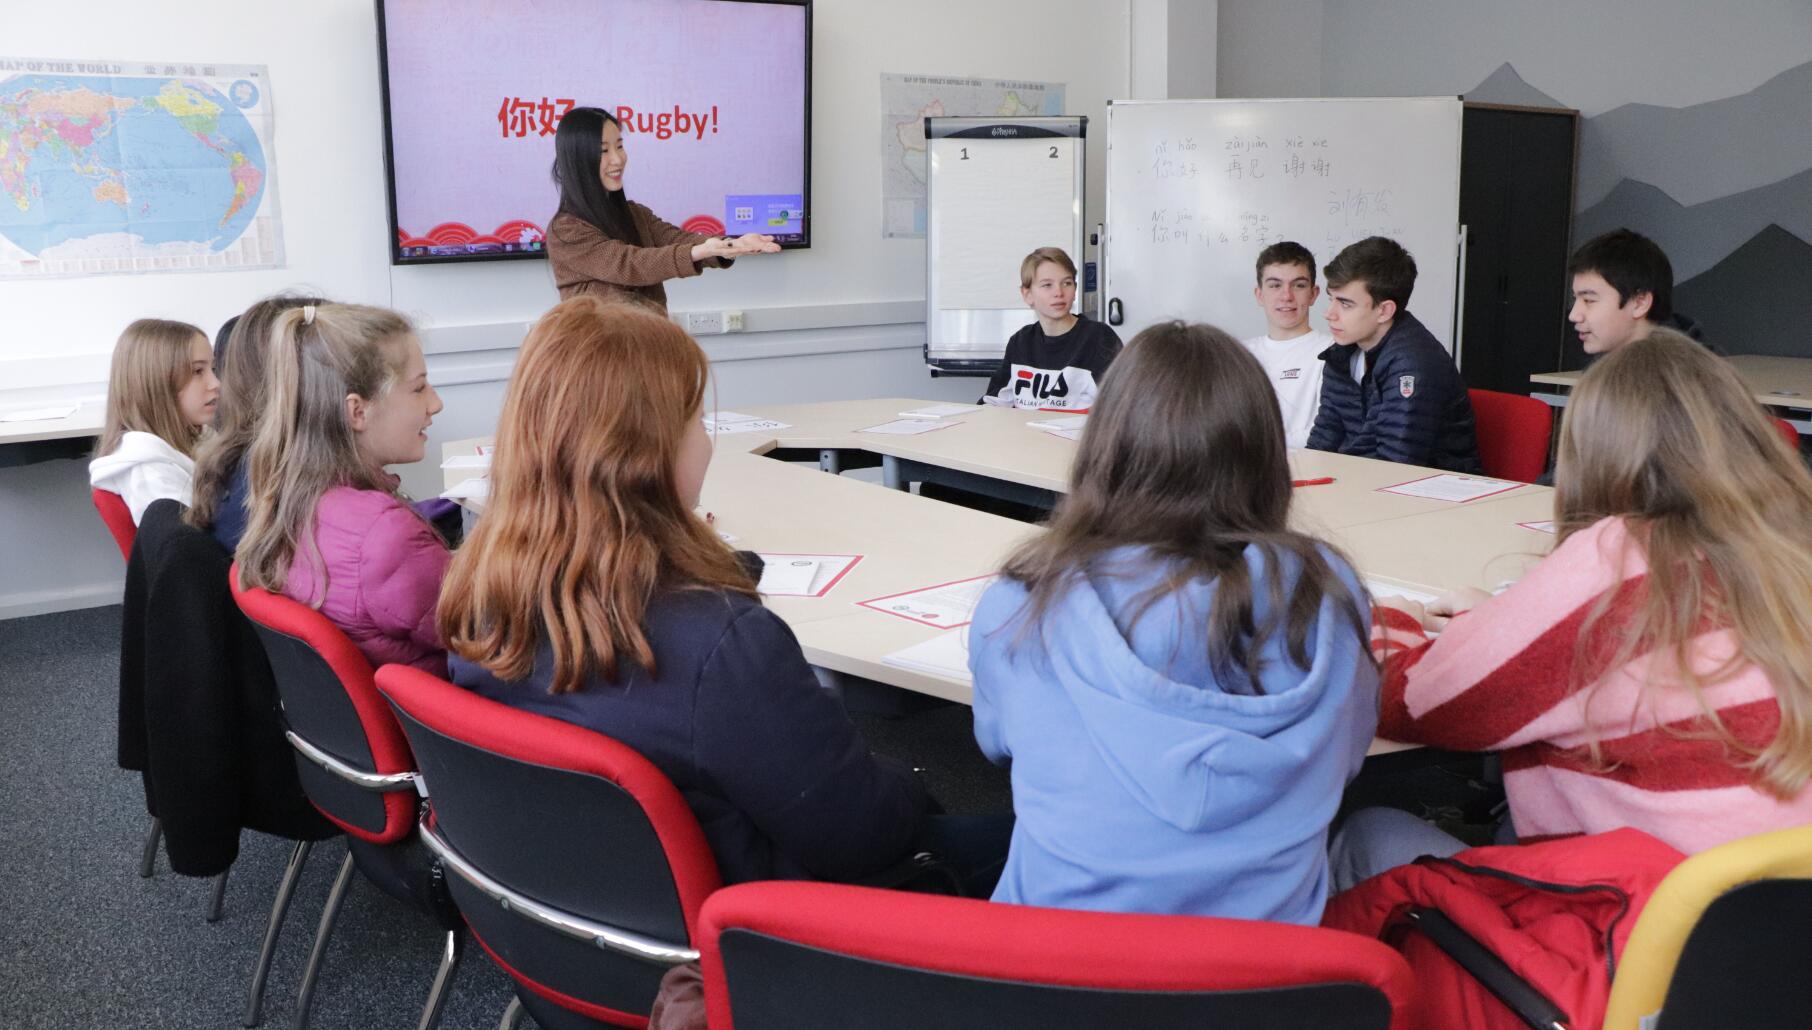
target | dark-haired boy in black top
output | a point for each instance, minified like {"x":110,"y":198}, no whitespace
{"x":1056,"y":363}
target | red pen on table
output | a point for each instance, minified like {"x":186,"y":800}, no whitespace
{"x":1323,"y":481}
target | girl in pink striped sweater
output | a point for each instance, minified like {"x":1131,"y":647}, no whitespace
{"x":1655,"y":671}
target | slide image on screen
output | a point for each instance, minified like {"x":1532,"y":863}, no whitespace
{"x":713,"y":97}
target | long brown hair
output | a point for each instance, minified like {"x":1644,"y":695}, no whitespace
{"x":1664,"y":434}
{"x":1184,"y":456}
{"x":150,"y":367}
{"x":585,"y":520}
{"x":242,"y":363}
{"x":304,"y":444}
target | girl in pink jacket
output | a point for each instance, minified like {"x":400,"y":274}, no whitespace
{"x":348,"y":394}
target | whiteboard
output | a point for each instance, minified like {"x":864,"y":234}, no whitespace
{"x":997,"y":189}
{"x":1196,"y":188}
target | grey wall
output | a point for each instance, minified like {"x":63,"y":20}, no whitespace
{"x":1270,"y":48}
{"x":1695,"y":128}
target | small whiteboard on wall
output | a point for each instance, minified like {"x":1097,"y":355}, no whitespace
{"x":1196,"y":188}
{"x":996,"y":191}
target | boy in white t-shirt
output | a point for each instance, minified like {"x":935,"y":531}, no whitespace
{"x":1290,"y":351}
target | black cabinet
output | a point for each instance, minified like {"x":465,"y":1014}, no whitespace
{"x":1516,"y":201}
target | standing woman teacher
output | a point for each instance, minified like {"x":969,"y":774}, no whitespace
{"x":600,"y":242}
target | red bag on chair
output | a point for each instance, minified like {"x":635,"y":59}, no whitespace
{"x":1557,"y":913}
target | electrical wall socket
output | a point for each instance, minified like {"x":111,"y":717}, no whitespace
{"x":704,"y":323}
{"x":732,"y":321}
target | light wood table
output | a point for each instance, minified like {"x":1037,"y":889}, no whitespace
{"x":1773,"y":381}
{"x":990,"y":446}
{"x":22,"y":443}
{"x":87,"y":420}
{"x":909,"y":543}
{"x":1472,"y":545}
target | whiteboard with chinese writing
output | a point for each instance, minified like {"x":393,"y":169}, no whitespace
{"x":1196,"y":188}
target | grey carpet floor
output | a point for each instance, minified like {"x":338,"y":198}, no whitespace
{"x":84,"y":942}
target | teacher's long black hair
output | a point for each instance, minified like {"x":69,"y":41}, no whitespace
{"x":578,"y":148}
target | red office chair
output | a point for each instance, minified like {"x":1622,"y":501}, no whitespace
{"x":1788,"y":433}
{"x":356,"y":769}
{"x":577,"y":864}
{"x":806,"y":956}
{"x":1513,"y":433}
{"x":118,"y":518}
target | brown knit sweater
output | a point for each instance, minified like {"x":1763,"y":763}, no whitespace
{"x":585,"y":260}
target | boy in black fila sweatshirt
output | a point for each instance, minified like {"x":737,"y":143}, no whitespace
{"x":1056,"y":363}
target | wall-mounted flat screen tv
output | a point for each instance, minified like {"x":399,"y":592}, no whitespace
{"x":714,"y":97}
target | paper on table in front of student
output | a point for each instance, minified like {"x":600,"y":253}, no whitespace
{"x":790,"y":576}
{"x":1062,"y":422}
{"x":803,"y":575}
{"x":1449,"y":486}
{"x":39,"y":414}
{"x":946,"y":655}
{"x":946,"y":605}
{"x":1067,"y":434}
{"x":726,"y":417}
{"x":1385,"y":588}
{"x":467,"y":461}
{"x":938,"y":411}
{"x":909,"y":427}
{"x":1539,"y":527}
{"x":744,"y":424}
{"x":475,"y":489}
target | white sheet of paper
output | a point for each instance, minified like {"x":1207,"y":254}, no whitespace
{"x":938,"y":411}
{"x":475,"y":489}
{"x":1060,"y":422}
{"x":749,"y":426}
{"x":1539,"y":527}
{"x":908,"y":427}
{"x":786,"y":577}
{"x":1385,"y":588}
{"x":39,"y":414}
{"x":467,"y":461}
{"x":975,"y":203}
{"x":790,"y":575}
{"x":946,"y":655}
{"x":946,"y":605}
{"x":1067,"y":434}
{"x":724,"y":418}
{"x":487,"y":449}
{"x":1451,"y":487}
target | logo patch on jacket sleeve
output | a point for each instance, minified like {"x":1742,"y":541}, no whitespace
{"x":1406,"y":385}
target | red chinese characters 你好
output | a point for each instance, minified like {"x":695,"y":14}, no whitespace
{"x":520,"y":117}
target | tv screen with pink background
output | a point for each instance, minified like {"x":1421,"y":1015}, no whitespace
{"x":712,"y":95}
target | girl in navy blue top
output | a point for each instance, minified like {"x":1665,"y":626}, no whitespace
{"x":591,"y":592}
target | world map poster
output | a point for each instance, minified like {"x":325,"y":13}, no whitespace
{"x":126,"y":167}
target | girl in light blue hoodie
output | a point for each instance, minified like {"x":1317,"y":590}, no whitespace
{"x":1181,"y":683}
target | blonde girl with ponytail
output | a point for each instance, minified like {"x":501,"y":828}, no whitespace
{"x":347,"y":394}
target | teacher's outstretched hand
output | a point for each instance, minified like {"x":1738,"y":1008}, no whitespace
{"x":601,"y":242}
{"x":725,"y":247}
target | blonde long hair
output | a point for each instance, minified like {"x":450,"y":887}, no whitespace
{"x":585,"y":520}
{"x":1664,"y":434}
{"x":241,"y":399}
{"x":150,"y":368}
{"x":304,"y":444}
